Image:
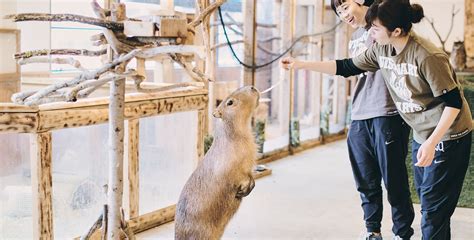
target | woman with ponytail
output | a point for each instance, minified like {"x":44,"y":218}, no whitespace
{"x":378,"y":137}
{"x":427,"y":95}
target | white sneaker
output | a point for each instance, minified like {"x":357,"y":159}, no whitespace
{"x":372,"y":236}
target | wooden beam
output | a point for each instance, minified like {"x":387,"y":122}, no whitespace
{"x":153,"y":219}
{"x":285,"y":100}
{"x":317,"y":52}
{"x":133,"y":166}
{"x":21,"y":119}
{"x":59,"y":119}
{"x":18,"y":122}
{"x":469,"y":30}
{"x":276,"y":73}
{"x":41,"y":183}
{"x":201,"y":128}
{"x":250,"y":38}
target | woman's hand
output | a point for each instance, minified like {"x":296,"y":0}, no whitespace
{"x":425,"y":154}
{"x":289,"y":63}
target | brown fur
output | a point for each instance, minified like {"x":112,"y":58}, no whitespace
{"x":213,"y":193}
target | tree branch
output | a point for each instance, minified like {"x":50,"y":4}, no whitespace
{"x":45,"y":52}
{"x":195,"y":73}
{"x":71,"y":61}
{"x":199,"y":19}
{"x":72,"y":95}
{"x":33,"y":99}
{"x":97,"y":224}
{"x":65,"y":18}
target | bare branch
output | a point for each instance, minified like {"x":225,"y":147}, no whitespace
{"x":72,"y":95}
{"x":97,"y":224}
{"x":71,"y":61}
{"x":99,"y":11}
{"x":65,"y":18}
{"x":152,"y":52}
{"x":441,"y":40}
{"x":195,"y":73}
{"x":45,"y":52}
{"x":199,"y":19}
{"x":225,"y":44}
{"x":269,"y":39}
{"x":164,"y":88}
{"x":33,"y":99}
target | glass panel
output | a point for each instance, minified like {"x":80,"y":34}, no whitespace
{"x":80,"y":161}
{"x":305,"y":120}
{"x":16,"y":200}
{"x":168,"y":156}
{"x":273,"y":105}
{"x":228,"y":69}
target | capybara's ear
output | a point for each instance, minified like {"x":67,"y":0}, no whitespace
{"x":217,"y":113}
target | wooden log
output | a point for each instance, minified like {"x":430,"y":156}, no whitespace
{"x":45,"y":52}
{"x":116,"y":141}
{"x":63,"y":118}
{"x":11,"y":107}
{"x":18,"y":122}
{"x":201,"y":128}
{"x":250,"y":15}
{"x":133,"y":166}
{"x":41,"y":182}
{"x":153,"y":219}
{"x":66,"y":18}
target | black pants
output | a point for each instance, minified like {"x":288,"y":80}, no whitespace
{"x":377,"y":150}
{"x":439,"y":185}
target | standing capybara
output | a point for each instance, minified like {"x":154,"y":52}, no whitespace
{"x":213,"y":193}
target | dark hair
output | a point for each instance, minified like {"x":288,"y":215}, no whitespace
{"x":336,"y":3}
{"x":395,"y":14}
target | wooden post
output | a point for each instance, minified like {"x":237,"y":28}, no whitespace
{"x":276,"y":73}
{"x":208,"y":38}
{"x":317,"y":52}
{"x":201,"y":128}
{"x":211,"y":68}
{"x":292,"y":22}
{"x":249,"y":31}
{"x":133,"y":166}
{"x":164,"y":65}
{"x":469,"y":31}
{"x":286,"y":23}
{"x":116,"y":141}
{"x":42,"y":183}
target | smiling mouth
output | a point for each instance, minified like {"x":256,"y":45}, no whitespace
{"x":351,"y":20}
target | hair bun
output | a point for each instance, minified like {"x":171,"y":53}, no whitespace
{"x":416,"y":13}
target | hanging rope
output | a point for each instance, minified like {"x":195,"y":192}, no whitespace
{"x":255,"y":67}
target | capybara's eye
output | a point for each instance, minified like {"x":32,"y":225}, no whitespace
{"x":230,"y":102}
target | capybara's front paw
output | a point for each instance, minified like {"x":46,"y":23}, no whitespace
{"x":245,"y":188}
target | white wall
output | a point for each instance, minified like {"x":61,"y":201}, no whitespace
{"x":440,"y":11}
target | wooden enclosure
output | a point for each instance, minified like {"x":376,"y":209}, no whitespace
{"x":41,"y":121}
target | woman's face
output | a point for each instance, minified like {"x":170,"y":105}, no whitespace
{"x":380,"y":33}
{"x":352,"y":13}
